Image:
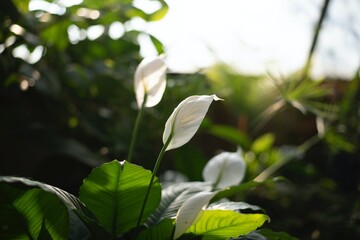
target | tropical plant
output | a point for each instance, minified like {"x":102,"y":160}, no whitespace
{"x":123,"y":200}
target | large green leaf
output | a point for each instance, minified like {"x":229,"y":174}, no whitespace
{"x":15,"y":188}
{"x":115,"y":192}
{"x":39,"y":214}
{"x":173,"y":197}
{"x":223,"y":224}
{"x":162,"y":231}
{"x":68,"y":199}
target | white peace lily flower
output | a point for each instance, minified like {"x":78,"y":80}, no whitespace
{"x":226,"y":169}
{"x":191,"y":211}
{"x":186,"y":119}
{"x":150,"y":79}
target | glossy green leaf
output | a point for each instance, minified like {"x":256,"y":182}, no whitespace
{"x":20,"y":219}
{"x":39,"y":214}
{"x":161,"y":231}
{"x":223,"y":224}
{"x":115,"y":192}
{"x":68,"y":199}
{"x":173,"y":197}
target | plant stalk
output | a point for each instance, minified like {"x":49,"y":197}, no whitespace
{"x":156,"y":167}
{"x":136,"y":129}
{"x":316,"y":36}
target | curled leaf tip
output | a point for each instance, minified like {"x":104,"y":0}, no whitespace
{"x":216,"y":98}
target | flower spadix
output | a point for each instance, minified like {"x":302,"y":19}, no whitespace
{"x":150,"y":79}
{"x":225,"y":169}
{"x":191,"y":212}
{"x":186,"y":119}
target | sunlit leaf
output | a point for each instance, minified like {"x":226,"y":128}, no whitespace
{"x":42,"y":213}
{"x":223,"y":224}
{"x":68,"y":199}
{"x":115,"y":192}
{"x":173,"y":197}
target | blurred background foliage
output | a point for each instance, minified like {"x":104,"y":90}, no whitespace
{"x":67,"y":104}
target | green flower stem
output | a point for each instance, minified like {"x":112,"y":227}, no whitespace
{"x":136,"y":129}
{"x":156,"y":167}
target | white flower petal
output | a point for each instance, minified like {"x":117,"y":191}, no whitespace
{"x":186,"y":119}
{"x":225,"y":169}
{"x":191,"y":211}
{"x":150,"y":78}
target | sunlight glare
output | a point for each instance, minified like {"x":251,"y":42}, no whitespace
{"x":23,"y":52}
{"x":258,"y":36}
{"x":69,"y":3}
{"x":116,"y":30}
{"x":53,"y":8}
{"x":147,"y":6}
{"x":88,"y":13}
{"x":95,"y":31}
{"x":16,"y":29}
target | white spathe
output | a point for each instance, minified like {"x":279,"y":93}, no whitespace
{"x":191,"y":211}
{"x":186,"y":119}
{"x":225,"y":169}
{"x":150,"y":78}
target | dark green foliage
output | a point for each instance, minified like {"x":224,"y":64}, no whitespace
{"x":74,"y":109}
